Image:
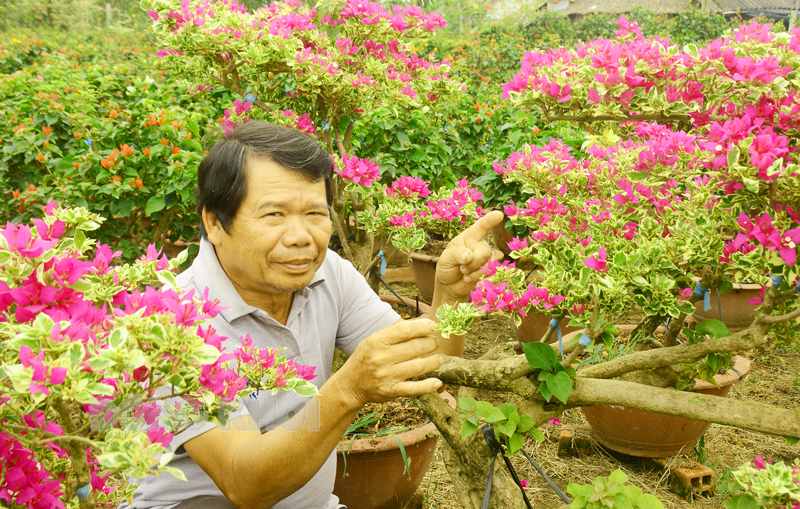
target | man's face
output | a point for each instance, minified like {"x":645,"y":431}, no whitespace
{"x":280,"y":234}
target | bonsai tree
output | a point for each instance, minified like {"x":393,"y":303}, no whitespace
{"x":317,"y":69}
{"x":90,"y":353}
{"x":691,"y":185}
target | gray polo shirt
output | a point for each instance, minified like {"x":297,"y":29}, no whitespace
{"x":337,"y":309}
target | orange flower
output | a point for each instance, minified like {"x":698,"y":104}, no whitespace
{"x":78,"y":136}
{"x":40,"y":158}
{"x":178,"y":164}
{"x":127,"y":150}
{"x":164,"y":141}
{"x":147,"y":152}
{"x":46,"y":144}
{"x":15,"y":193}
{"x":176,"y":150}
{"x":489,"y":114}
{"x":478,"y":120}
{"x":31,"y":187}
{"x":113,"y":114}
{"x":47,"y":130}
{"x":116,"y":179}
{"x":42,"y":95}
{"x":188,"y":136}
{"x":52,"y":96}
{"x":76,"y":166}
{"x":477,"y":106}
{"x":137,"y":183}
{"x":536,"y":130}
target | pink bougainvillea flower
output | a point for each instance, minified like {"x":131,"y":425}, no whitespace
{"x":408,"y":187}
{"x":404,"y":221}
{"x":554,"y":422}
{"x":359,"y":171}
{"x":158,"y":435}
{"x":518,"y":245}
{"x":759,"y":463}
{"x":597,"y":263}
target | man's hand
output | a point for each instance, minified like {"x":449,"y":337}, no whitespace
{"x":459,"y":266}
{"x":378,"y":369}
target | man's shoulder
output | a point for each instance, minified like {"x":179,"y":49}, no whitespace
{"x":185,"y":279}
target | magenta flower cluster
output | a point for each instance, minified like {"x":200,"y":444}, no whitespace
{"x":359,"y":171}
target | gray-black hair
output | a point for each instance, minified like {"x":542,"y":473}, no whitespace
{"x":222,"y":175}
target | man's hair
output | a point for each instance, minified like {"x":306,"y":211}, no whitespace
{"x":222,"y":176}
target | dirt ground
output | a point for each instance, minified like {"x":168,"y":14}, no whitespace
{"x":774,"y":379}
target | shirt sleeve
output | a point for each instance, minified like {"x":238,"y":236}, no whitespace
{"x":362,"y":312}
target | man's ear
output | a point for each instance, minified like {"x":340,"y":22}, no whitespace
{"x":214,"y":228}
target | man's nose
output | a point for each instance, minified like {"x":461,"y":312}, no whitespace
{"x":297,"y":233}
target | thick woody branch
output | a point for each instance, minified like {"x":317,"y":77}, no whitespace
{"x":636,"y":361}
{"x":783,"y":318}
{"x":496,"y":375}
{"x":702,"y":407}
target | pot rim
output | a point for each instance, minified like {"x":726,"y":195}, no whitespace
{"x":388,"y":442}
{"x":391,"y":299}
{"x":426,"y":258}
{"x":736,"y":286}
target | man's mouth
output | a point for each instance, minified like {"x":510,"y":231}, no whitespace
{"x":297,"y":266}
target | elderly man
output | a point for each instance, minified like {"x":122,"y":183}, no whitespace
{"x":263,"y":195}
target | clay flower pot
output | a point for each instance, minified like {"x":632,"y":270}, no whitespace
{"x":375,"y":476}
{"x":424,"y":269}
{"x":534,"y":326}
{"x":737,"y":314}
{"x":650,"y":435}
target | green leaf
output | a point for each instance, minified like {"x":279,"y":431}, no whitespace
{"x":466,"y":403}
{"x":647,"y":501}
{"x":467,"y":429}
{"x":713,"y":328}
{"x":514,"y":443}
{"x":545,"y":391}
{"x":5,"y":256}
{"x":725,"y":287}
{"x":540,"y":355}
{"x":494,"y":415}
{"x":117,"y":337}
{"x":791,"y":440}
{"x":154,"y":204}
{"x":406,"y":460}
{"x":403,"y":138}
{"x":560,"y":385}
{"x":537,"y":434}
{"x":742,"y":501}
{"x":515,"y":136}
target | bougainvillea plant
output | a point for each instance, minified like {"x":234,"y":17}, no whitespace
{"x":767,"y":484}
{"x":90,"y":350}
{"x":317,"y":69}
{"x":690,"y":186}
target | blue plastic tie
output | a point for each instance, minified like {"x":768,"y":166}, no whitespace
{"x":557,"y":327}
{"x":383,"y":261}
{"x":325,"y":126}
{"x":797,"y":288}
{"x":585,"y":340}
{"x":83,"y":491}
{"x":702,"y":291}
{"x":88,"y":142}
{"x":352,"y":122}
{"x":249,"y":98}
{"x":777,"y":280}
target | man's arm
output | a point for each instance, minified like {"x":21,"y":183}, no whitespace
{"x":459,"y":269}
{"x":257,"y":471}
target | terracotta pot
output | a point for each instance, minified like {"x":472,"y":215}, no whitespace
{"x":534,"y":326}
{"x":737,"y":314}
{"x":424,"y":269}
{"x":375,"y":477}
{"x":652,"y":435}
{"x":423,"y":308}
{"x":502,"y":237}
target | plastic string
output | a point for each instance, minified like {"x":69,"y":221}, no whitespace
{"x":585,"y":340}
{"x":555,"y":325}
{"x":383,"y":261}
{"x":777,"y":280}
{"x":249,"y":98}
{"x":551,"y":483}
{"x":83,"y":491}
{"x":702,"y":291}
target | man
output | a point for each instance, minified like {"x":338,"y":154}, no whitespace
{"x":263,"y":195}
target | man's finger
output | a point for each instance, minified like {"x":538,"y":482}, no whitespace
{"x":483,"y":225}
{"x":408,"y":329}
{"x":409,"y":389}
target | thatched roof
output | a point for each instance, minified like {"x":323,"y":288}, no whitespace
{"x":623,"y":6}
{"x":729,"y":6}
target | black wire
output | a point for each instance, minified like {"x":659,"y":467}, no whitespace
{"x":416,"y":312}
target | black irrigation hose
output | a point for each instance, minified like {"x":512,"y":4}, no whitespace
{"x":551,"y":483}
{"x":415,"y":311}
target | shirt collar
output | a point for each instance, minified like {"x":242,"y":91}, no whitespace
{"x":208,"y":273}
